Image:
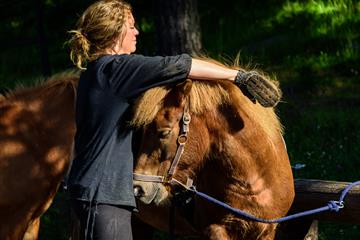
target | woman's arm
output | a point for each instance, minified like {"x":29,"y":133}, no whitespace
{"x":207,"y":70}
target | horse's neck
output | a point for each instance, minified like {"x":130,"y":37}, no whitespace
{"x":232,"y":142}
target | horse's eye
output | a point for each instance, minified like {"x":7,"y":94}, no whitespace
{"x":164,"y":133}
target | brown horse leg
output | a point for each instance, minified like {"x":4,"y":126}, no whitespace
{"x":32,"y":232}
{"x":216,"y":232}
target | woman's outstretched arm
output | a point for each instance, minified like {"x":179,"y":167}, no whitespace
{"x":254,"y":85}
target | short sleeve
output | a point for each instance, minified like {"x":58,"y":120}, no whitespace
{"x":130,"y":75}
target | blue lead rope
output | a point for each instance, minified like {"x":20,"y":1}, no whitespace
{"x":334,"y":206}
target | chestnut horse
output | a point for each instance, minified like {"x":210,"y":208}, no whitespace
{"x":36,"y":132}
{"x":234,"y":152}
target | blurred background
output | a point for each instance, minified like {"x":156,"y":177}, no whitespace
{"x":311,"y":46}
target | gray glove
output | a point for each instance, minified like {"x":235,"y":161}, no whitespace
{"x":258,"y":88}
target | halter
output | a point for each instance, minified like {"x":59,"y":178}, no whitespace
{"x":181,"y":140}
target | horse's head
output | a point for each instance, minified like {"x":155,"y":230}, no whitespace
{"x":160,"y":141}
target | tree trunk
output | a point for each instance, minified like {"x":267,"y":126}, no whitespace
{"x":177,"y":27}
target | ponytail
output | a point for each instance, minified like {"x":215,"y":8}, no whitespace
{"x":80,"y":48}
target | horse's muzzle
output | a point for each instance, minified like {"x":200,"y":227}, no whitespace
{"x":148,"y":192}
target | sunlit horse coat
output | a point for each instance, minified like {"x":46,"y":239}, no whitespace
{"x":234,"y":152}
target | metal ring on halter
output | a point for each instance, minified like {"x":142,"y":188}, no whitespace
{"x":182,"y":139}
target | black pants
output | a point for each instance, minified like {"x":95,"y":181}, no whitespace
{"x":102,"y":221}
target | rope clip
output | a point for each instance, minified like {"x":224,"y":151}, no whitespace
{"x":340,"y":204}
{"x":335,"y":205}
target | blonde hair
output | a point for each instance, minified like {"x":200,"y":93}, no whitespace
{"x":96,"y":30}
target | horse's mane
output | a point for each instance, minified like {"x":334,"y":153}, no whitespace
{"x":57,"y":81}
{"x":205,"y":95}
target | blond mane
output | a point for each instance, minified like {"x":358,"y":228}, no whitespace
{"x":206,"y":95}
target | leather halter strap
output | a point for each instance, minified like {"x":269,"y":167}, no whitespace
{"x":181,"y":140}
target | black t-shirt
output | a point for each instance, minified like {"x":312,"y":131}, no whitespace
{"x":102,"y":169}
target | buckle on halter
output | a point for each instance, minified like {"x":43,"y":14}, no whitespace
{"x":186,"y":118}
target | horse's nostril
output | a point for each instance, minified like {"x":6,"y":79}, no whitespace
{"x":138,"y":191}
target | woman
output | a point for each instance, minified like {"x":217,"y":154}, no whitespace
{"x":100,"y":180}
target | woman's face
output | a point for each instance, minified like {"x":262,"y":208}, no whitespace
{"x":128,"y":45}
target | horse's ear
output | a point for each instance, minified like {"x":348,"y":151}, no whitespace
{"x":184,"y":88}
{"x":180,"y":92}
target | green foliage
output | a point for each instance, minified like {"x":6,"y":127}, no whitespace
{"x":325,"y":138}
{"x":323,"y":18}
{"x":320,"y":38}
{"x":329,"y":28}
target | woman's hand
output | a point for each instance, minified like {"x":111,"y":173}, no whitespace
{"x":258,"y":88}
